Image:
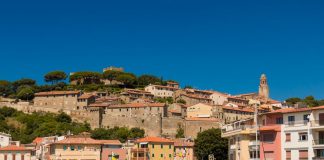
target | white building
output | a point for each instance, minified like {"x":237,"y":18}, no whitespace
{"x":4,"y":139}
{"x":218,"y":98}
{"x":161,"y":91}
{"x":302,"y":136}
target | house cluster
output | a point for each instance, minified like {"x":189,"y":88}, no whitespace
{"x":81,"y":147}
{"x":192,"y":109}
{"x":288,"y":133}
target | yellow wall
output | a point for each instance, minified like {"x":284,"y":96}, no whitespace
{"x":167,"y":151}
{"x":199,"y":110}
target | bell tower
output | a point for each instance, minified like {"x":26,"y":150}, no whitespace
{"x":263,"y":87}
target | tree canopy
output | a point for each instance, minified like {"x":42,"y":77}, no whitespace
{"x":25,"y":93}
{"x":147,"y":79}
{"x":55,"y":76}
{"x":309,"y":101}
{"x":210,"y":142}
{"x":111,"y":74}
{"x":5,"y":88}
{"x":120,"y":133}
{"x":88,"y":77}
{"x":128,"y":79}
{"x":26,"y":127}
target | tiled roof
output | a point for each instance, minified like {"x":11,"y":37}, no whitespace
{"x":138,"y":105}
{"x":85,"y":96}
{"x":78,"y":140}
{"x":202,"y":119}
{"x":56,"y":93}
{"x":239,"y":109}
{"x":116,"y":142}
{"x":154,"y":139}
{"x":270,"y":128}
{"x":14,"y":148}
{"x":38,"y":140}
{"x":168,"y":87}
{"x":195,"y":97}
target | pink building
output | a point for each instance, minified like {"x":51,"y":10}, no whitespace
{"x":112,"y":148}
{"x":270,"y":136}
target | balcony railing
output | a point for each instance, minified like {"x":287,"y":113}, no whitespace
{"x":295,"y":123}
{"x":237,"y":127}
{"x":318,"y":142}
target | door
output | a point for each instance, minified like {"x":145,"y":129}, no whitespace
{"x":321,"y":137}
{"x":321,"y":119}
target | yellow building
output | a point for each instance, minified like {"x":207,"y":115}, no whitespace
{"x":153,"y":148}
{"x":76,"y":148}
{"x":200,"y":110}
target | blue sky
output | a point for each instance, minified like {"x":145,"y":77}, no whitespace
{"x":221,"y":45}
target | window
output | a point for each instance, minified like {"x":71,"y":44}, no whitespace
{"x":79,"y":148}
{"x":288,"y":155}
{"x":306,"y":118}
{"x":161,"y":155}
{"x":152,"y":155}
{"x":303,"y":136}
{"x":152,"y":145}
{"x":22,"y":157}
{"x":287,"y":137}
{"x":291,"y":120}
{"x":279,"y":120}
{"x":72,"y":148}
{"x":303,"y":154}
{"x":254,"y":154}
{"x":161,"y":145}
{"x":64,"y":147}
{"x":169,"y":146}
{"x":169,"y":155}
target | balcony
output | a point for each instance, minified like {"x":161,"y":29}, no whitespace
{"x":254,"y":143}
{"x":317,"y":124}
{"x":233,"y":129}
{"x":318,"y":143}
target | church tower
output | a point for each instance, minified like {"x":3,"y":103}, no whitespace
{"x":263,"y":87}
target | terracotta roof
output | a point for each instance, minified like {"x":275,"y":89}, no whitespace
{"x":38,"y":140}
{"x":135,"y":91}
{"x":183,"y":143}
{"x":104,"y":104}
{"x":56,"y":93}
{"x":168,"y":87}
{"x":137,"y":105}
{"x":154,"y":139}
{"x":116,"y":142}
{"x":195,"y":96}
{"x":174,"y":111}
{"x":169,"y":82}
{"x":14,"y":148}
{"x":245,"y":109}
{"x":78,"y":140}
{"x":85,"y":96}
{"x":202,"y":119}
{"x":270,"y":128}
{"x":293,"y":110}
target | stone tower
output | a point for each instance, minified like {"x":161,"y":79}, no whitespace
{"x":263,"y":87}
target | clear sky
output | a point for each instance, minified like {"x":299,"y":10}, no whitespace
{"x":221,"y":45}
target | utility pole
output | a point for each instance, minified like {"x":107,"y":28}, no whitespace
{"x":256,"y":128}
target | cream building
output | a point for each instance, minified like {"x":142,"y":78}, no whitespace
{"x":161,"y":91}
{"x":76,"y":148}
{"x":57,"y":99}
{"x":200,"y":110}
{"x":14,"y":152}
{"x":4,"y":139}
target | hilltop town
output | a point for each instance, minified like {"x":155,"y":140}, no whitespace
{"x":115,"y":98}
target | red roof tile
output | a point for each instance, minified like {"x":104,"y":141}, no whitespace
{"x":86,"y":96}
{"x":78,"y":140}
{"x":38,"y":140}
{"x":56,"y":93}
{"x":14,"y":148}
{"x":154,"y":139}
{"x":202,"y":119}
